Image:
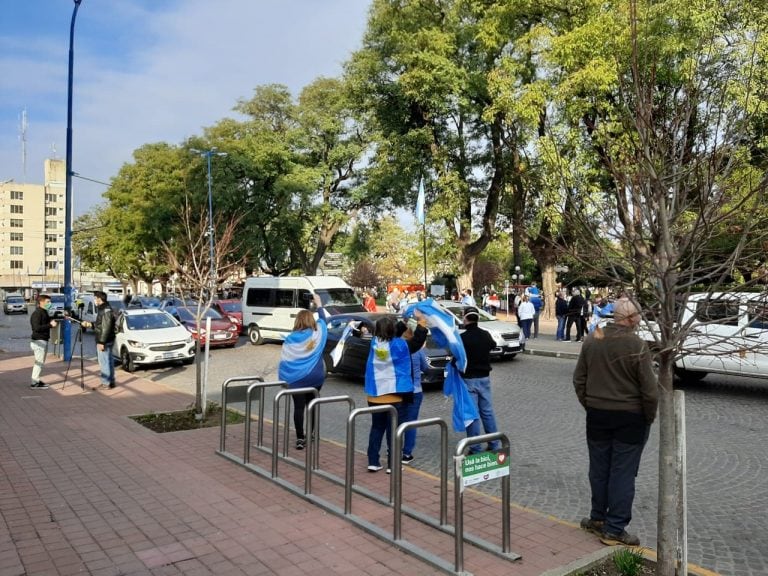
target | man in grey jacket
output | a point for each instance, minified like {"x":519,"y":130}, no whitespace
{"x":615,"y":382}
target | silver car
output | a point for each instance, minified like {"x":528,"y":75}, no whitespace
{"x":14,"y":305}
{"x":505,"y":334}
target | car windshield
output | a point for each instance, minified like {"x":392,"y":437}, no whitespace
{"x":58,"y":299}
{"x":149,"y":302}
{"x":149,"y":321}
{"x":188,"y":315}
{"x":483,"y":316}
{"x":15,"y":300}
{"x":337,"y":296}
{"x":234,"y":306}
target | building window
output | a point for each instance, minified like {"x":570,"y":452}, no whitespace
{"x":17,"y":209}
{"x":50,"y":198}
{"x":50,"y":211}
{"x":17,"y":264}
{"x":17,"y":250}
{"x":16,"y":223}
{"x":50,"y":224}
{"x":17,"y":236}
{"x":17,"y":195}
{"x":51,"y":265}
{"x":51,"y":237}
{"x":51,"y":251}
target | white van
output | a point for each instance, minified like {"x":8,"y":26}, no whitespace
{"x":271,"y":303}
{"x":90,"y":310}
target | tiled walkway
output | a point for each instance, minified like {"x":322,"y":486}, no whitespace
{"x":85,"y":490}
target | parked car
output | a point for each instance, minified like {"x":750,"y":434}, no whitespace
{"x":57,"y":305}
{"x":14,"y":305}
{"x":223,"y":331}
{"x":144,"y":302}
{"x":150,"y":336}
{"x":170,"y":303}
{"x":358,"y":345}
{"x":232,"y":309}
{"x":505,"y":334}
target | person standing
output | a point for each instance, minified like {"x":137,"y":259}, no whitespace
{"x":575,"y":311}
{"x":526,"y":311}
{"x":104,"y":332}
{"x":41,"y":324}
{"x":301,"y":362}
{"x":493,"y":303}
{"x":388,"y":380}
{"x":615,"y":383}
{"x":561,"y":313}
{"x":478,"y":345}
{"x":369,"y":303}
{"x":410,"y":411}
{"x":467,"y":298}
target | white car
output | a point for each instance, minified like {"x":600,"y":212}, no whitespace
{"x":149,"y":336}
{"x":505,"y":334}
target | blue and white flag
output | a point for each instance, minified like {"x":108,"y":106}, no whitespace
{"x":301,"y":352}
{"x":445,"y":333}
{"x":338,"y":350}
{"x":388,"y":370}
{"x":442,"y":326}
{"x":420,"y":203}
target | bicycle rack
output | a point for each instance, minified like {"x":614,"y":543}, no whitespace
{"x":276,"y":417}
{"x":397,"y":472}
{"x":313,"y":429}
{"x":261,"y":387}
{"x":458,"y":491}
{"x":232,"y":394}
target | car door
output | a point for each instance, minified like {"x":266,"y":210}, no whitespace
{"x":716,"y":342}
{"x":756,"y":338}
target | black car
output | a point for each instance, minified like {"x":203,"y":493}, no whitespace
{"x":358,"y":345}
{"x":144,"y":302}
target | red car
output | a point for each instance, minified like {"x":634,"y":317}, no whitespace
{"x":232,"y":309}
{"x":223,"y":331}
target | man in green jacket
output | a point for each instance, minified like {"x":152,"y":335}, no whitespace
{"x":615,"y":382}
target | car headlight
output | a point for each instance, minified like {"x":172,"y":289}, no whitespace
{"x":189,"y":339}
{"x":136,"y":344}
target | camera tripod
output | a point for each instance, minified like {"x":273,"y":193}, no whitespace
{"x":78,"y":338}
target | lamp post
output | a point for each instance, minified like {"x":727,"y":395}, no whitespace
{"x":65,"y":326}
{"x":207,"y":154}
{"x":517,"y":277}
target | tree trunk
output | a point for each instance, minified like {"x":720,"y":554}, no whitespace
{"x":548,"y":286}
{"x":666,"y":544}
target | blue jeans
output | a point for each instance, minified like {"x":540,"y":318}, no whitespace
{"x":409,"y":413}
{"x":480,"y":390}
{"x":106,"y":364}
{"x":613,"y":466}
{"x":380,"y":427}
{"x":560,"y":335}
{"x":525,"y":325}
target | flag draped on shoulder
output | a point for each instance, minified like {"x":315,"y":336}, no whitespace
{"x":388,"y":370}
{"x":445,"y":333}
{"x":301,"y":351}
{"x":338,"y":350}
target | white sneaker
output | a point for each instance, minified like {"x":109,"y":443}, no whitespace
{"x":374,"y":468}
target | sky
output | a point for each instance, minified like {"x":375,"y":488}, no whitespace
{"x":150,"y":71}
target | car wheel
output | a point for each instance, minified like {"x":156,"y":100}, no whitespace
{"x":127,"y":361}
{"x":689,"y":375}
{"x":254,"y":335}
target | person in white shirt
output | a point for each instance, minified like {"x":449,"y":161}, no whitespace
{"x":526,"y":312}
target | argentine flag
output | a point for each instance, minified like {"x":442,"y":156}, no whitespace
{"x":420,"y":202}
{"x":301,"y":352}
{"x":445,"y":333}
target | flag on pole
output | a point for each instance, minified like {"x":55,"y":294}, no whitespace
{"x":420,"y":202}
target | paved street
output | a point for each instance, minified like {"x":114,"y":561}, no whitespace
{"x":536,"y":407}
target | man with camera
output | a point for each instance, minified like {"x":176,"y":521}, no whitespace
{"x":104,"y":331}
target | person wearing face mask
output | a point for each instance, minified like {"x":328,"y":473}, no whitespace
{"x":41,"y":324}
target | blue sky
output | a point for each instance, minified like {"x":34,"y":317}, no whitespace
{"x":151,"y":70}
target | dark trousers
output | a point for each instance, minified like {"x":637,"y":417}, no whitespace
{"x":300,"y":402}
{"x":579,"y":327}
{"x":615,"y":442}
{"x":381,"y":428}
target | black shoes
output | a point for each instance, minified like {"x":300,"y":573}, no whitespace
{"x":594,"y":526}
{"x":300,"y":443}
{"x":625,"y":538}
{"x":407,"y":458}
{"x":39,"y":385}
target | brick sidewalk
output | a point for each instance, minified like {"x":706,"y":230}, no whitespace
{"x":85,"y":490}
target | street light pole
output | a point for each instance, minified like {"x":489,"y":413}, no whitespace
{"x":208,"y":154}
{"x":65,"y":326}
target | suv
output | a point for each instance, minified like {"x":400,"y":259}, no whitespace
{"x":505,"y":334}
{"x":14,"y":304}
{"x":149,"y":336}
{"x":727,"y":334}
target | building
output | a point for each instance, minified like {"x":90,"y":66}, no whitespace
{"x":32,"y":233}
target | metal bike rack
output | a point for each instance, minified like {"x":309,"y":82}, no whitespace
{"x":397,"y":473}
{"x":349,"y":476}
{"x":232,"y":394}
{"x":459,"y":499}
{"x":276,"y":418}
{"x":261,"y":387}
{"x":313,"y":446}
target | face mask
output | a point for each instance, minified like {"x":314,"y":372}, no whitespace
{"x":47,"y":306}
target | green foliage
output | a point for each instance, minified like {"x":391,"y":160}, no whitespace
{"x":628,"y":561}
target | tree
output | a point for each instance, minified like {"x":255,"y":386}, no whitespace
{"x":661,"y":99}
{"x":189,"y":256}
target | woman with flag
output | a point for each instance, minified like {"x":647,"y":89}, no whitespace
{"x":388,"y":379}
{"x":301,"y":361}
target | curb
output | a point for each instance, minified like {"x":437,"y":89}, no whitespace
{"x":582,"y":564}
{"x":553,"y":354}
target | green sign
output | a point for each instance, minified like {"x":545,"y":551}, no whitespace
{"x":483,"y":466}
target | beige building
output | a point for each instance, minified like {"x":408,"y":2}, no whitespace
{"x":32,"y":233}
